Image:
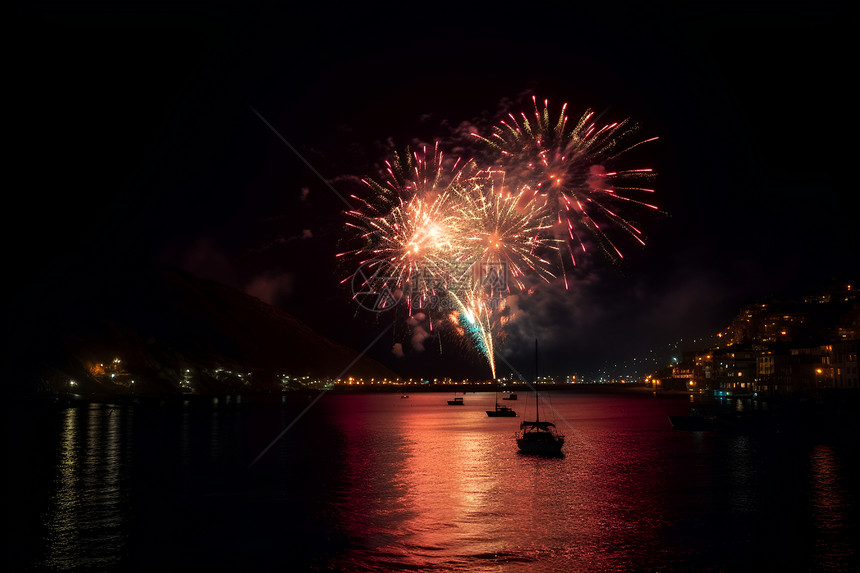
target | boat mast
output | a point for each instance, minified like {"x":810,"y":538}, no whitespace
{"x":537,"y":398}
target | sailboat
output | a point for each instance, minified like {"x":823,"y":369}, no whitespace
{"x":501,"y":411}
{"x":538,"y":437}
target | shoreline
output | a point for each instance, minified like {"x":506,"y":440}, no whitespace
{"x":749,"y":405}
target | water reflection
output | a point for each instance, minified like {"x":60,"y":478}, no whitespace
{"x":742,"y":475}
{"x":435,"y":488}
{"x":90,"y":506}
{"x":828,"y":504}
{"x":424,"y":486}
{"x":378,"y":483}
{"x":453,"y":489}
{"x":604,"y":499}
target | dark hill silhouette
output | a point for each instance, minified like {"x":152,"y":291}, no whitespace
{"x":165,"y":325}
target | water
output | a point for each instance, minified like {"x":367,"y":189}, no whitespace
{"x":375,"y":482}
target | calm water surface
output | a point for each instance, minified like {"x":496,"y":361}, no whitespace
{"x":380,"y":483}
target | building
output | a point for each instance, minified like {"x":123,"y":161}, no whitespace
{"x":845,"y":364}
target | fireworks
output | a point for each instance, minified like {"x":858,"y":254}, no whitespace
{"x":440,"y":229}
{"x":409,"y":228}
{"x":505,"y":231}
{"x":571,"y":169}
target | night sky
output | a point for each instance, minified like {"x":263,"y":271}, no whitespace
{"x":135,"y":137}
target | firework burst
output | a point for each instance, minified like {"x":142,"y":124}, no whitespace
{"x":504,"y":232}
{"x":571,"y":169}
{"x":409,"y":227}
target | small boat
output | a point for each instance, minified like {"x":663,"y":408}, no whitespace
{"x":694,"y":422}
{"x":404,"y":396}
{"x":539,"y":437}
{"x":501,"y":411}
{"x":456,"y":402}
{"x":511,"y":396}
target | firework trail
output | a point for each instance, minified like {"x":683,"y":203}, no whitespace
{"x":473,"y":318}
{"x":570,"y":167}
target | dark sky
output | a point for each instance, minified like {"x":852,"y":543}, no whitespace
{"x":135,"y":137}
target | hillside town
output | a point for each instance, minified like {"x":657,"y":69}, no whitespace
{"x":775,"y":348}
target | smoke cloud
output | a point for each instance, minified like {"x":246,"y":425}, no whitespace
{"x":271,"y":288}
{"x":419,"y":332}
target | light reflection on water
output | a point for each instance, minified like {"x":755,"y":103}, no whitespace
{"x":836,"y":539}
{"x":628,"y":494}
{"x":377,"y":483}
{"x":468,"y":499}
{"x":89,"y":483}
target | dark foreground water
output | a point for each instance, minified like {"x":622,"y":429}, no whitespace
{"x":383,"y":483}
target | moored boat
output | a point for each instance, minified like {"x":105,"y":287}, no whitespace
{"x":539,"y":437}
{"x":694,"y":422}
{"x":501,"y":411}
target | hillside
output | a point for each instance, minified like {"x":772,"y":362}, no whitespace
{"x":166,"y":330}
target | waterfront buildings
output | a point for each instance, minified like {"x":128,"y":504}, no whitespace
{"x":777,"y":347}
